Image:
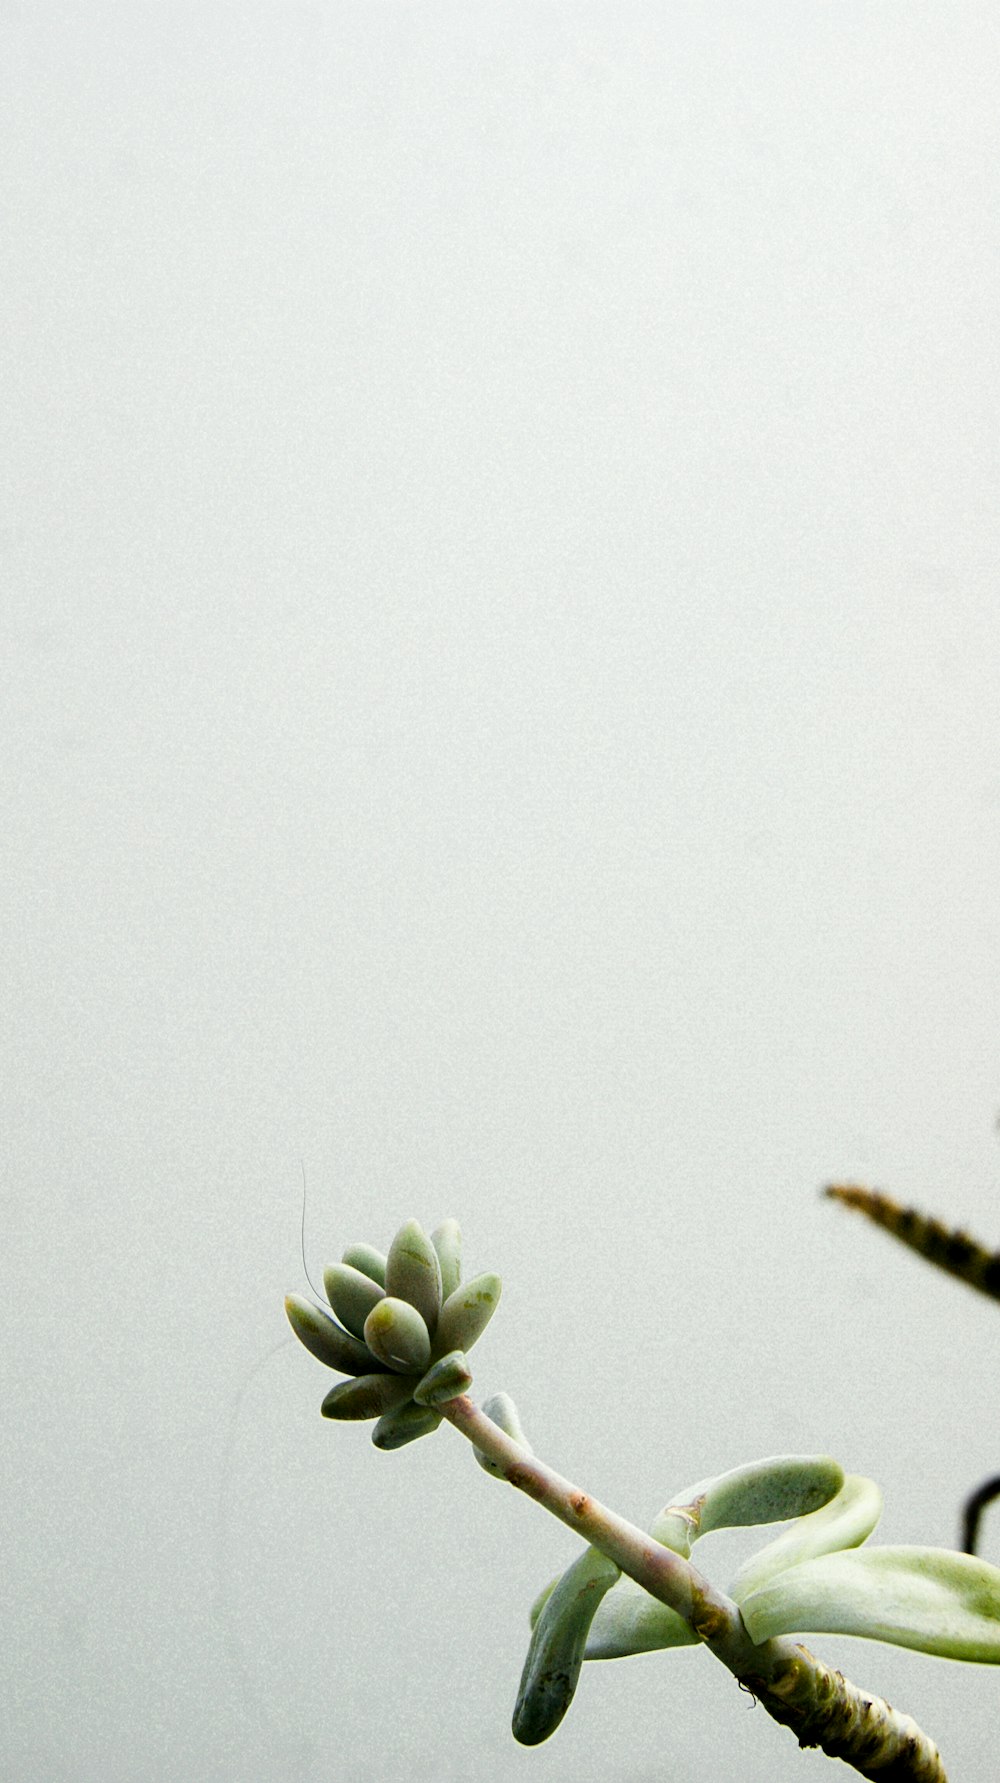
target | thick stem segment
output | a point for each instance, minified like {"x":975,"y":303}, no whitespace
{"x":820,"y":1706}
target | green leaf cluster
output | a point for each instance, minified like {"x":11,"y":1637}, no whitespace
{"x":400,"y":1325}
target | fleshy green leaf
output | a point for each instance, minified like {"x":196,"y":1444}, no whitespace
{"x":352,"y":1294}
{"x":366,"y":1258}
{"x":630,"y":1621}
{"x":845,"y":1522}
{"x":555,"y":1654}
{"x":326,"y":1341}
{"x":501,"y":1411}
{"x":466,"y":1313}
{"x":447,"y":1241}
{"x":368,"y":1396}
{"x":761,"y":1492}
{"x":398,"y":1336}
{"x":413,"y":1273}
{"x":404,"y":1425}
{"x":445,"y":1380}
{"x":542,"y":1599}
{"x":615,"y":1633}
{"x":933,"y":1599}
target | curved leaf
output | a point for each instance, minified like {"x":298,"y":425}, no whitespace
{"x":845,"y":1522}
{"x":555,"y":1654}
{"x":766,"y":1491}
{"x":934,"y":1599}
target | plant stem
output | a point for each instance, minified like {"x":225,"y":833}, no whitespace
{"x":820,"y":1706}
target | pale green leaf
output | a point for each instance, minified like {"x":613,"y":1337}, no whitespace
{"x":368,"y":1396}
{"x":413,"y":1273}
{"x":845,"y":1522}
{"x":445,"y":1380}
{"x":761,"y":1492}
{"x":404,"y":1424}
{"x":397,"y":1334}
{"x":366,"y":1258}
{"x":501,"y":1411}
{"x":447,"y":1241}
{"x":558,"y":1640}
{"x":631,"y":1621}
{"x":325,"y":1339}
{"x":466,"y":1314}
{"x":352,"y":1294}
{"x":934,"y":1599}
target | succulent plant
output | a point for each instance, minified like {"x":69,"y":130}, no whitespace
{"x":399,"y":1327}
{"x":405,"y":1325}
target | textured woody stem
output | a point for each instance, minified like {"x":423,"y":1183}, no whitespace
{"x":820,"y":1706}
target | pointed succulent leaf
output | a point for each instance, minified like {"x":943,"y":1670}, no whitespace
{"x":444,"y":1380}
{"x":413,"y":1273}
{"x":761,"y":1492}
{"x":368,"y":1396}
{"x":845,"y":1522}
{"x":366,"y":1258}
{"x":397,"y":1335}
{"x":447,"y":1241}
{"x":324,"y":1338}
{"x":630,"y":1621}
{"x":352,"y":1294}
{"x":555,"y":1654}
{"x":933,"y":1599}
{"x":404,"y":1425}
{"x":501,"y":1411}
{"x":466,"y":1313}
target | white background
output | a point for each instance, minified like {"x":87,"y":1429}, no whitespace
{"x":499,"y":653}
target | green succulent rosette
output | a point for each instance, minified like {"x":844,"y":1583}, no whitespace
{"x":399,"y":1325}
